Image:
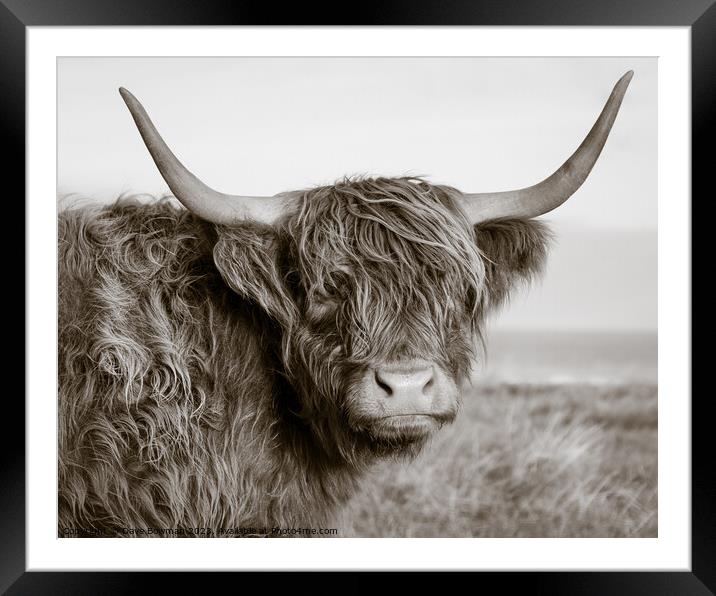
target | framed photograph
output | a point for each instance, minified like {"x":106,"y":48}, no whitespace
{"x":419,"y":286}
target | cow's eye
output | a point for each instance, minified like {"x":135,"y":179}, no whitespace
{"x":321,"y":307}
{"x":293,"y":279}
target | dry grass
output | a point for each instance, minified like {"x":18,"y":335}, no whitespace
{"x":525,"y":461}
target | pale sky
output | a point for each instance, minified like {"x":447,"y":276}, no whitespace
{"x":266,"y":125}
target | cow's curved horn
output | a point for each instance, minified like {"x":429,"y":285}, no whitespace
{"x":196,"y":196}
{"x":555,"y":190}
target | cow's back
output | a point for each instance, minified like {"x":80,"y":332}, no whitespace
{"x":139,"y":304}
{"x":171,"y":411}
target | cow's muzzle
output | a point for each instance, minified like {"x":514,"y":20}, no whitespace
{"x":406,"y":398}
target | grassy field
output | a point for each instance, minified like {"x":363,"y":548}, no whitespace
{"x":525,"y":460}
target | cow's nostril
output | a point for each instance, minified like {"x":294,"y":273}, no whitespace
{"x":428,"y":385}
{"x":384,"y":386}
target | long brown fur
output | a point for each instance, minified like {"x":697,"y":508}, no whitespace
{"x":207,"y":372}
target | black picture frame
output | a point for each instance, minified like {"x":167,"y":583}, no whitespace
{"x":17,"y":15}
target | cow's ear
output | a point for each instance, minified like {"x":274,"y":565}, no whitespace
{"x":251,"y":261}
{"x":514,"y":252}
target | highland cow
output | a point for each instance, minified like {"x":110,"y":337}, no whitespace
{"x":241,"y":362}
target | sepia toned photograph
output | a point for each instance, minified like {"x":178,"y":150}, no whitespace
{"x":357,"y":297}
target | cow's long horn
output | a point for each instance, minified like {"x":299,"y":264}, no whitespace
{"x":555,"y":190}
{"x":196,"y":196}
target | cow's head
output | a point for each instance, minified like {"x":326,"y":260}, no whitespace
{"x":378,"y":285}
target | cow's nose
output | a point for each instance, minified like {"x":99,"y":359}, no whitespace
{"x":397,"y":382}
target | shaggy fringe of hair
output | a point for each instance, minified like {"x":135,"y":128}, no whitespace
{"x":387,"y":251}
{"x":192,"y":355}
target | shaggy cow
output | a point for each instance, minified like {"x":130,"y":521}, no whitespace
{"x":241,"y":362}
